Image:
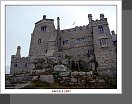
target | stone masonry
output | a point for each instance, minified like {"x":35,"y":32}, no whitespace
{"x":91,"y":42}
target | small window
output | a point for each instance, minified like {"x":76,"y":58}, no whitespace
{"x":46,"y":51}
{"x":44,"y":28}
{"x":83,"y":39}
{"x":104,"y":42}
{"x":62,"y":31}
{"x":15,"y":65}
{"x":90,"y":51}
{"x":100,"y":28}
{"x":26,"y":65}
{"x":65,"y":42}
{"x":80,"y":40}
{"x":39,"y":40}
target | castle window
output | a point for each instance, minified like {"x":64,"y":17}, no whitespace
{"x":100,"y":28}
{"x":39,"y":40}
{"x":26,"y":65}
{"x":44,"y":28}
{"x":62,"y":31}
{"x":80,"y":40}
{"x":90,"y":51}
{"x":46,"y":51}
{"x":15,"y":65}
{"x":104,"y":42}
{"x":65,"y":42}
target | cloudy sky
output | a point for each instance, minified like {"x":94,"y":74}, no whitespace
{"x":20,"y":22}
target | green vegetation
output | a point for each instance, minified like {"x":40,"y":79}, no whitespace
{"x":38,"y":83}
{"x":67,"y":57}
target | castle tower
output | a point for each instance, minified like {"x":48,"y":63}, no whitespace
{"x":43,"y":38}
{"x":18,"y":53}
{"x":103,"y":44}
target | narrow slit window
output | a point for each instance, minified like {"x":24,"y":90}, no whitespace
{"x":40,"y":41}
{"x":26,"y":65}
{"x":15,"y":65}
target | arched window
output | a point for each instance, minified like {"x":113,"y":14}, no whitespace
{"x":100,"y":28}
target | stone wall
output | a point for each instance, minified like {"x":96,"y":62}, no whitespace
{"x":105,"y":54}
{"x":79,"y":41}
{"x":19,"y":65}
{"x":75,"y":42}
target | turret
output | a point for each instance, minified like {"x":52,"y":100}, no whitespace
{"x":101,"y":16}
{"x":44,"y":17}
{"x":90,"y":19}
{"x":18,"y":53}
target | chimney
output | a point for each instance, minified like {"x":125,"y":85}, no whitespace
{"x":18,"y":54}
{"x":90,"y":19}
{"x":113,"y":32}
{"x":44,"y":17}
{"x":58,"y":23}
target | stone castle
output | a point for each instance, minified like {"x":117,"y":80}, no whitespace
{"x":93,"y":43}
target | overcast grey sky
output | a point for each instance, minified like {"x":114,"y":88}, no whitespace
{"x":20,"y":22}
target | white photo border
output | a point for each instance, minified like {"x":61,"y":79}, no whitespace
{"x":118,"y":3}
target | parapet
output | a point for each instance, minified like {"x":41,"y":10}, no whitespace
{"x":77,"y":28}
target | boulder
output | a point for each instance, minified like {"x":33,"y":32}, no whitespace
{"x":82,"y":73}
{"x":47,"y":78}
{"x":65,"y":61}
{"x":74,"y":73}
{"x":64,"y":73}
{"x":109,"y":72}
{"x":73,"y":80}
{"x":35,"y":78}
{"x":59,"y":68}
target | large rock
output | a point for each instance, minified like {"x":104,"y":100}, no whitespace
{"x":109,"y":72}
{"x":35,"y":78}
{"x":59,"y":68}
{"x":74,"y":80}
{"x":74,"y":73}
{"x":65,"y":62}
{"x":64,"y":73}
{"x":82,"y":73}
{"x":47,"y":78}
